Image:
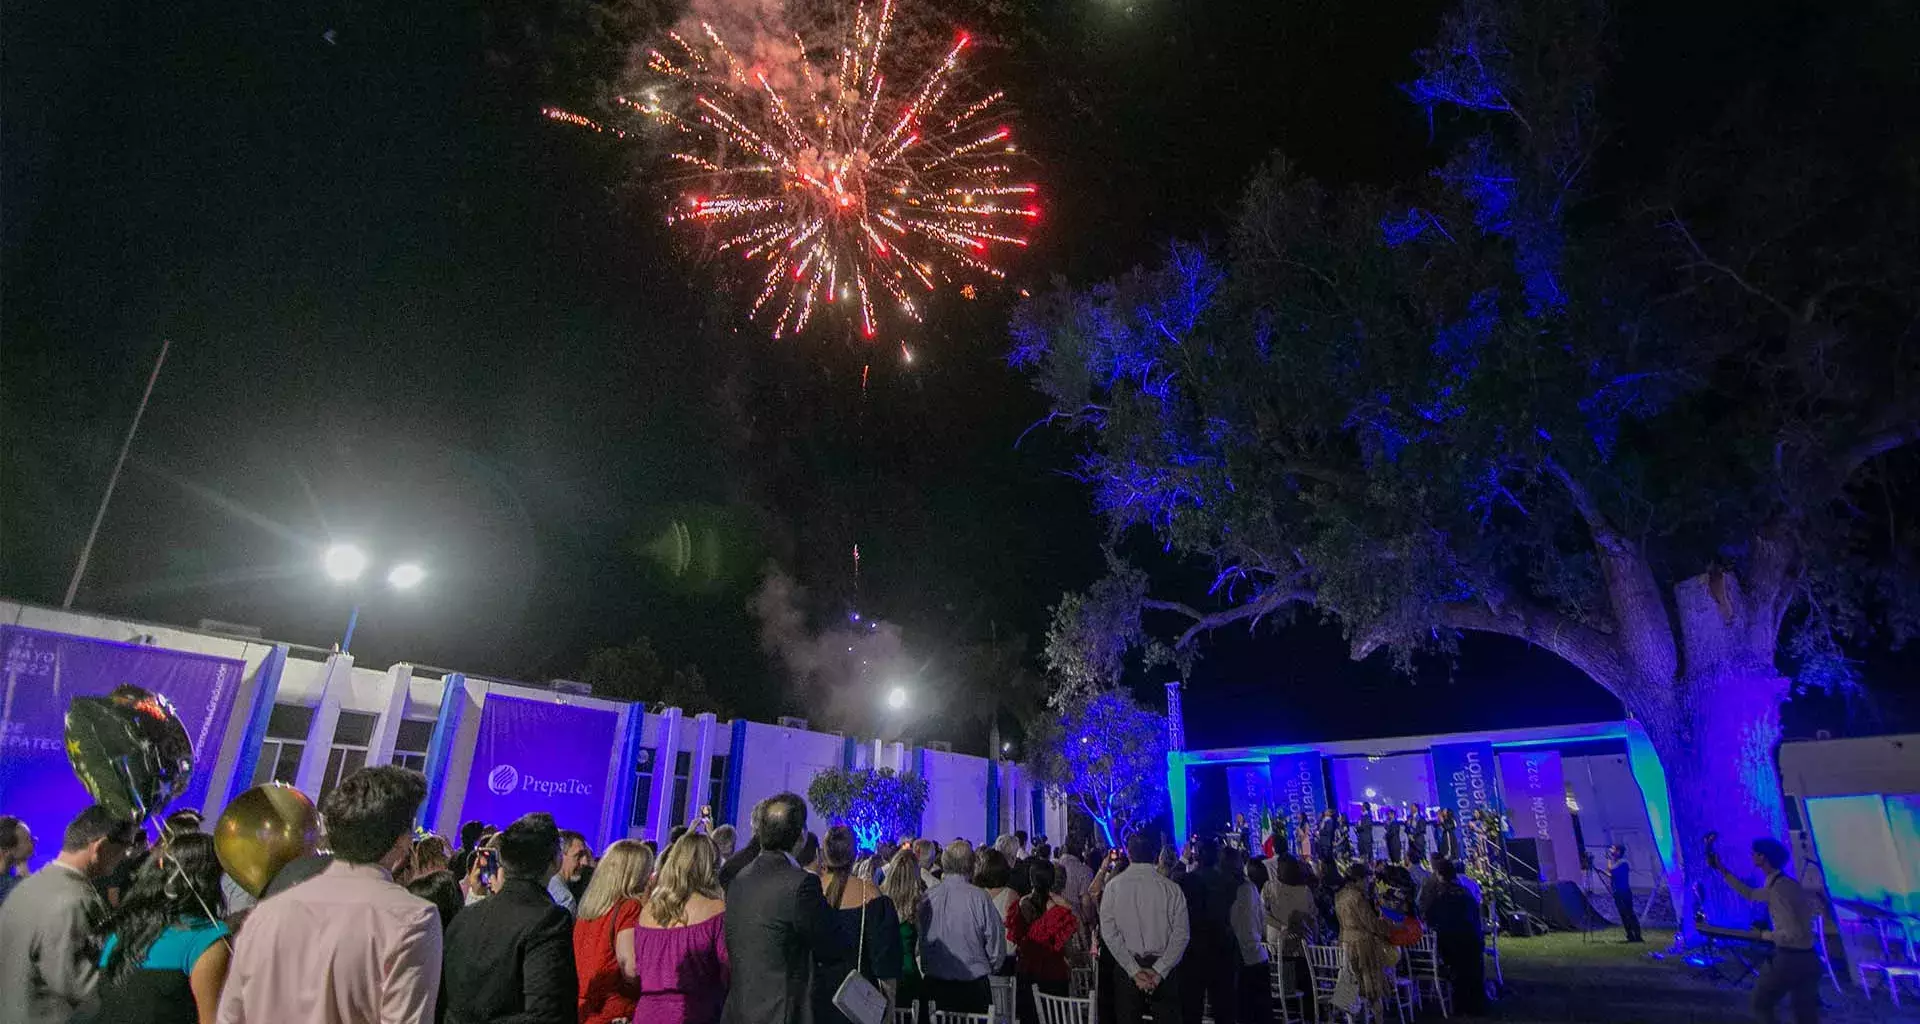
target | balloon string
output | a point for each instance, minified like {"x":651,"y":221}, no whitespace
{"x":165,"y":835}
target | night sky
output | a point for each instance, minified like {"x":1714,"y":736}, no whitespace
{"x":406,"y":309}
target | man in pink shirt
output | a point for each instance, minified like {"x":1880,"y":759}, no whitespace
{"x":349,"y":946}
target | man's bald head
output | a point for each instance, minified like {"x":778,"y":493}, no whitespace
{"x":781,"y":823}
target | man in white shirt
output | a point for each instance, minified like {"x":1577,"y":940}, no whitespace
{"x":1795,"y":968}
{"x":1144,"y":927}
{"x":1073,"y":867}
{"x":1248,"y":916}
{"x":350,"y":946}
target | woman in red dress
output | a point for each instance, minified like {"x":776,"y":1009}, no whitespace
{"x":608,"y":911}
{"x":1040,"y":925}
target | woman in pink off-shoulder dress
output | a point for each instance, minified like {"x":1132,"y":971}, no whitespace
{"x":679,"y":944}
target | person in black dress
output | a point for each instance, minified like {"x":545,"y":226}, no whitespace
{"x":856,"y":904}
{"x":1417,"y":835}
{"x":165,"y":949}
{"x":1396,"y":834}
{"x":1363,"y":833}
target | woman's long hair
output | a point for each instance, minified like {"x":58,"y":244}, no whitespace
{"x":180,"y":882}
{"x":691,"y":867}
{"x":1034,"y":903}
{"x":836,"y":862}
{"x":902,"y":884}
{"x":623,"y":874}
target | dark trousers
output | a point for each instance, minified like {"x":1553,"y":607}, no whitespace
{"x":1106,"y":986}
{"x":1794,"y":973}
{"x":974,"y":995}
{"x":1131,"y":1005}
{"x":1623,"y":902}
{"x":1461,"y":958}
{"x":1256,"y":993}
{"x":1027,"y":1011}
{"x":1209,"y":979}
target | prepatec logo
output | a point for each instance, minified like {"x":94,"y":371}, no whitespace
{"x":503,"y":779}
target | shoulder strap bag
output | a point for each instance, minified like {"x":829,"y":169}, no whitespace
{"x":858,"y":998}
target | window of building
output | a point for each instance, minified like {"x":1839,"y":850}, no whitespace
{"x":351,"y":737}
{"x":411,"y":743}
{"x":682,"y":771}
{"x":642,"y":786}
{"x":717,"y":787}
{"x":286,"y":741}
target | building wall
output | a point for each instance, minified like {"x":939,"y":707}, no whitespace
{"x":782,"y":760}
{"x":775,"y":758}
{"x":956,"y":796}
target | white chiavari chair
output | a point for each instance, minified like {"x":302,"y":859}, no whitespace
{"x":1080,"y":982}
{"x":1423,"y":963}
{"x":1003,"y":998}
{"x":1289,"y":993}
{"x":1323,"y":968}
{"x":956,"y":1017}
{"x":1062,"y":1009}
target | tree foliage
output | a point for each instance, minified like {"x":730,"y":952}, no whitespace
{"x":1105,"y":754}
{"x":1635,"y":417}
{"x":636,"y":672}
{"x":878,"y":804}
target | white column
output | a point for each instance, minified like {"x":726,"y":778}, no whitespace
{"x":700,"y":772}
{"x":386,"y":729}
{"x":897,"y":757}
{"x":326,"y":716}
{"x":660,"y":800}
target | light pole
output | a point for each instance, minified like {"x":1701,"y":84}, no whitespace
{"x":345,"y":564}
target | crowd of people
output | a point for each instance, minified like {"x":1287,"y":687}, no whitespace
{"x":526,"y":925}
{"x":1181,"y":933}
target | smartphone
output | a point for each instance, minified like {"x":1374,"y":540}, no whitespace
{"x":488,"y":862}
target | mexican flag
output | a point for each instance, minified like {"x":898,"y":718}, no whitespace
{"x":1270,"y":837}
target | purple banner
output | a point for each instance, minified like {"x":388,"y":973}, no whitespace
{"x":1463,"y":777}
{"x":1536,"y":793}
{"x":43,"y":671}
{"x":1248,"y":794}
{"x":540,"y":755}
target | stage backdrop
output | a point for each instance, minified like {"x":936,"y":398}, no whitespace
{"x":43,"y":671}
{"x":540,"y":755}
{"x":1536,"y":794}
{"x":1299,"y":784}
{"x":1463,"y":777}
{"x":1249,"y":793}
{"x":1395,"y":781}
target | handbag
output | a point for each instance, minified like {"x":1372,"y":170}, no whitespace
{"x":859,"y":999}
{"x":1346,"y":989}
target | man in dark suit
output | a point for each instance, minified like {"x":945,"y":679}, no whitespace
{"x":777,"y":924}
{"x":509,"y":957}
{"x":1211,"y":967}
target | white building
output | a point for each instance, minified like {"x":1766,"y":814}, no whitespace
{"x":307,"y":717}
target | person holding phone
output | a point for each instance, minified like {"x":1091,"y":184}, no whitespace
{"x":484,"y":876}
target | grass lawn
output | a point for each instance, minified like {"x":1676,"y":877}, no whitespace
{"x":1563,"y":977}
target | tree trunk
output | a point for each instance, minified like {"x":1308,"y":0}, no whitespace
{"x":1717,"y":731}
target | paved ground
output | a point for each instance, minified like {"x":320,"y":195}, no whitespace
{"x":1562,"y":977}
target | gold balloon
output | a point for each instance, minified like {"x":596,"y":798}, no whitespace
{"x":263,"y":830}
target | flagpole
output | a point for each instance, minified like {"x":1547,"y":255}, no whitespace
{"x":100,"y":514}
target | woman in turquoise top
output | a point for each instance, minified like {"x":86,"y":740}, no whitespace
{"x":166,"y":951}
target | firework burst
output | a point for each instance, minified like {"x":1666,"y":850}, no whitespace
{"x":844,"y":176}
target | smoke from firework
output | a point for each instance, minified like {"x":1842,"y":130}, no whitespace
{"x":839,"y":674}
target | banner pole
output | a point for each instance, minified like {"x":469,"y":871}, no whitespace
{"x":86,"y":550}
